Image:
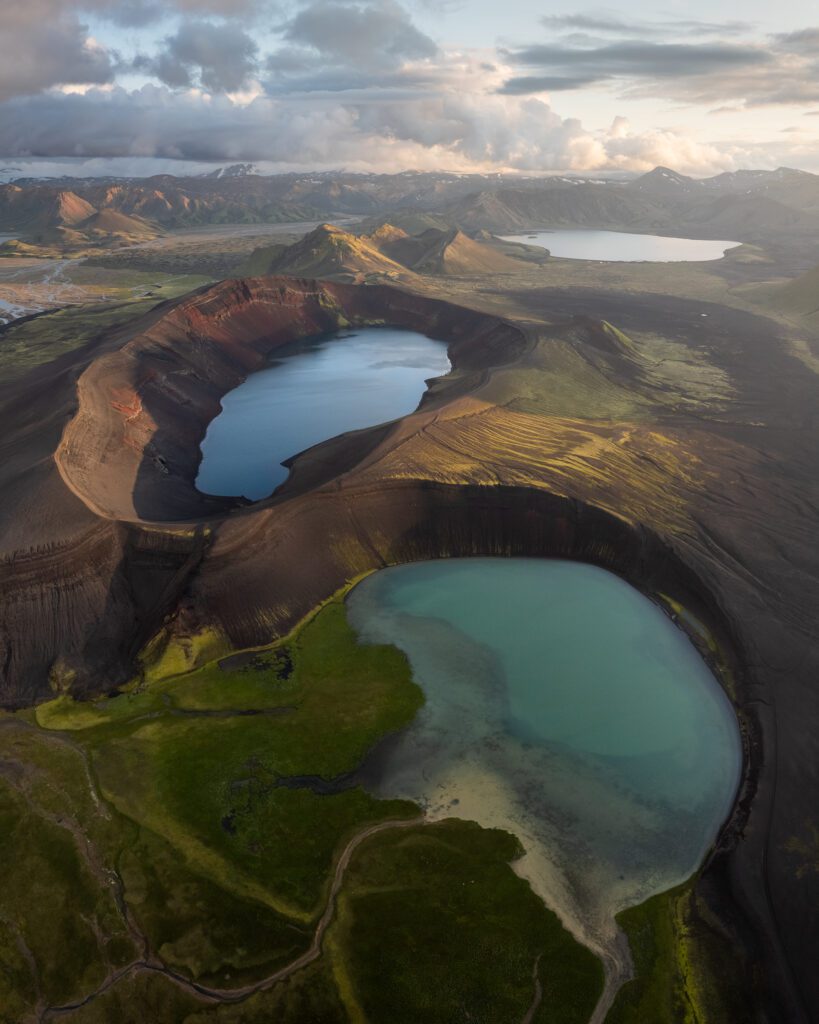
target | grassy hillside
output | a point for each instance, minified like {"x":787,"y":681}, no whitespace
{"x":801,"y":296}
{"x":33,"y":341}
{"x":185,"y":819}
{"x":329,"y":251}
{"x":508,"y":210}
{"x":685,"y":964}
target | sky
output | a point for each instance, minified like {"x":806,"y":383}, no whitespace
{"x":140,"y":86}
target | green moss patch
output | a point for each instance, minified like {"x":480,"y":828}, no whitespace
{"x":216,"y":804}
{"x":686,"y":966}
{"x":434,"y":925}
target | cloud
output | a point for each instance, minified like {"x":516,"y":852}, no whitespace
{"x":157,"y":122}
{"x":664,"y":148}
{"x":611,"y":25}
{"x":217,"y":58}
{"x":804,"y":41}
{"x":339,"y":41}
{"x":351,"y":33}
{"x":45,"y":44}
{"x":783,"y":69}
{"x":137,"y":13}
{"x":455,"y":129}
{"x":637,"y":59}
{"x":525,"y":85}
{"x":356,"y":83}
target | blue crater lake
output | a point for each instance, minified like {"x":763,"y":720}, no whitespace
{"x":563,"y":706}
{"x":622,"y":247}
{"x":314,"y":389}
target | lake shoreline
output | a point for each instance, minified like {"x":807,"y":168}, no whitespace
{"x":595,"y":245}
{"x":452,"y":767}
{"x":311,"y":391}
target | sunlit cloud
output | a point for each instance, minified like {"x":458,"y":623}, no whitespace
{"x":357,"y":83}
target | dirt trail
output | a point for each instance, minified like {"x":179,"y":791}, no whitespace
{"x":616,"y":961}
{"x":538,"y":994}
{"x":236,"y":995}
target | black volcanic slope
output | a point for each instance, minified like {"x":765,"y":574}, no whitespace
{"x":673,"y":441}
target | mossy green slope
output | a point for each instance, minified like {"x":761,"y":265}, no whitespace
{"x":179,"y":824}
{"x":686,"y":969}
{"x":61,"y":930}
{"x":433,"y":926}
{"x":41,"y":339}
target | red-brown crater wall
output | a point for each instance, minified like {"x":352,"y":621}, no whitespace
{"x":132,"y":450}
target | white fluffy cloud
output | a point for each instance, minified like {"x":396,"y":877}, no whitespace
{"x":45,"y":44}
{"x":450,"y":130}
{"x":345,"y":83}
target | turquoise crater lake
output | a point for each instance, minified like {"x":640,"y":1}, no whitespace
{"x":563,"y":706}
{"x":313,"y":390}
{"x":623,"y":247}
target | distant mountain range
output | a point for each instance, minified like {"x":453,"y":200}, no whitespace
{"x":744,"y":205}
{"x":60,"y":221}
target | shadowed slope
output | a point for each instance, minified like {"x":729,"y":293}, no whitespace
{"x":682,"y":455}
{"x":800,"y":297}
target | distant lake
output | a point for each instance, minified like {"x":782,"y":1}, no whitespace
{"x":621,"y":247}
{"x":564,"y":706}
{"x":314,"y":389}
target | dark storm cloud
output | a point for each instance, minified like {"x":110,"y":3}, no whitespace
{"x":306,"y":80}
{"x":526,"y":84}
{"x":155,"y":121}
{"x":339,"y":46}
{"x":394,"y":132}
{"x":638,"y":59}
{"x":782,"y":70}
{"x":374,"y":34}
{"x":219,"y":58}
{"x":45,"y":44}
{"x":445,"y":117}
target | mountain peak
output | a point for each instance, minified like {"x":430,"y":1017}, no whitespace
{"x":664,"y":181}
{"x":233,"y":171}
{"x":68,"y":208}
{"x":665,"y":174}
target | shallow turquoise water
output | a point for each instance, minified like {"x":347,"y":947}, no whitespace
{"x":562,"y":705}
{"x":314,"y":390}
{"x":623,"y":247}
